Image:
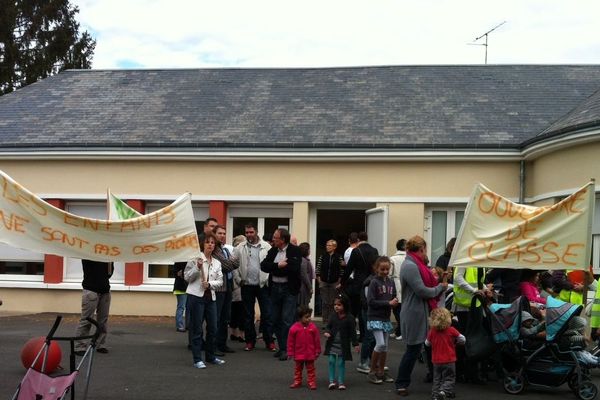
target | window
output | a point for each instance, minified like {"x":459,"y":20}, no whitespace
{"x":265,"y":217}
{"x":17,"y":262}
{"x":441,"y":224}
{"x":163,"y":273}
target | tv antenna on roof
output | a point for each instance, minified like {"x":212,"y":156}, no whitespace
{"x":486,"y":39}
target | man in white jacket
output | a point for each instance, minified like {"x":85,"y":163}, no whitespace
{"x":253,"y":284}
{"x":397,"y":260}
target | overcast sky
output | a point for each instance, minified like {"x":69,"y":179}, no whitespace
{"x":322,"y":33}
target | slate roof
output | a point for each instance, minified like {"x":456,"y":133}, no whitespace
{"x":430,"y":107}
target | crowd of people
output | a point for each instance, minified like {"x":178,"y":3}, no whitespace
{"x":219,"y":293}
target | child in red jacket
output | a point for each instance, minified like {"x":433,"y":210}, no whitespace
{"x":304,"y":346}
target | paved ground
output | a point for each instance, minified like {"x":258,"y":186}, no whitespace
{"x":149,"y":360}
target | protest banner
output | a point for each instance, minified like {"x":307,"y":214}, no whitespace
{"x":164,"y":236}
{"x":498,"y":233}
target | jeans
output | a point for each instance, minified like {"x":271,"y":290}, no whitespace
{"x":284,"y":312}
{"x":339,"y":362}
{"x":368,"y":343}
{"x":223,"y":317}
{"x":251,"y":293}
{"x":396,"y":312}
{"x":180,"y":322}
{"x":202,"y":310}
{"x":407,"y":365}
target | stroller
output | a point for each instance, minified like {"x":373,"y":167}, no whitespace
{"x":37,"y":385}
{"x":548,"y":364}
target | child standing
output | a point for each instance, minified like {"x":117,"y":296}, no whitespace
{"x":340,"y":333}
{"x":381,"y":297}
{"x":304,"y":346}
{"x":442,"y":338}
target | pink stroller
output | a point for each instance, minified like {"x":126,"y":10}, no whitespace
{"x":37,"y":385}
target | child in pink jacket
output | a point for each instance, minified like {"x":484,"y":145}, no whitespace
{"x":304,"y":346}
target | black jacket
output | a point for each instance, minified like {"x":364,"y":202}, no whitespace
{"x":329,"y":268}
{"x":179,"y":283}
{"x":96,"y":275}
{"x":361,"y":261}
{"x":291,"y":270}
{"x":347,"y":329}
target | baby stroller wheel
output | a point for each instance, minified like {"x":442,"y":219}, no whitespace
{"x":514,"y":383}
{"x":587,"y":391}
{"x":573,"y":382}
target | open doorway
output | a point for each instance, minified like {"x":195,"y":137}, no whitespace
{"x":336,"y":225}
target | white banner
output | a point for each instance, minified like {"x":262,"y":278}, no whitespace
{"x":499,"y":233}
{"x":164,"y":236}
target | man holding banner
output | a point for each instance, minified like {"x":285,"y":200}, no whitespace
{"x":95,"y":299}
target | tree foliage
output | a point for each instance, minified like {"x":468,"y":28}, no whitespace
{"x":39,"y":38}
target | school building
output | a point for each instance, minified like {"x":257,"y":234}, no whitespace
{"x":395,"y":150}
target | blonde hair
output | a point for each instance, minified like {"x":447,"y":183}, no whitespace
{"x":440,"y":319}
{"x":415,"y":243}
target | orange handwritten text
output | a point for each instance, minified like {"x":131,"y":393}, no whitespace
{"x":54,"y":235}
{"x":529,"y":253}
{"x":145,"y":249}
{"x":112,"y":251}
{"x":15,"y":193}
{"x":182,"y":242}
{"x":13,"y":222}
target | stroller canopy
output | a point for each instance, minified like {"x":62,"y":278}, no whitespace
{"x":558,"y":314}
{"x":505,"y":319}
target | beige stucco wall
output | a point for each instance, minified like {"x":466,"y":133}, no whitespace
{"x":405,"y":221}
{"x":301,"y":221}
{"x":69,"y":301}
{"x":566,"y":169}
{"x":295,"y":180}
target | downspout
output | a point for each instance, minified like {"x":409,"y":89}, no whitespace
{"x":522,"y":182}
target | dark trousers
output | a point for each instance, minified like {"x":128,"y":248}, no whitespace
{"x":407,"y":364}
{"x":444,"y":378}
{"x":396,"y":312}
{"x":356,"y":307}
{"x":250,"y":294}
{"x":465,"y":369}
{"x":223,"y":317}
{"x":202,"y":310}
{"x":284,"y":312}
{"x":368,"y":343}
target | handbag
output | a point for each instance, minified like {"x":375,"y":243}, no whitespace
{"x":479,"y":341}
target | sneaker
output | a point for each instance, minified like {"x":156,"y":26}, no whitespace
{"x":199,"y":365}
{"x":249,"y":347}
{"x":398,"y":337}
{"x":387,"y":378}
{"x":373,"y":378}
{"x":277,"y":353}
{"x":363,"y":368}
{"x":271,"y":347}
{"x":295,"y":385}
{"x":386,"y":368}
{"x":217,"y":361}
{"x":312,"y":387}
{"x":331,"y":386}
{"x":342,"y":386}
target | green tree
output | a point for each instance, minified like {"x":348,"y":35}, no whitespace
{"x":39,"y":38}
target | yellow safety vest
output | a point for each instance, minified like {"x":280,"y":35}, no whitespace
{"x":570,"y":296}
{"x":463,"y":297}
{"x":595,"y":317}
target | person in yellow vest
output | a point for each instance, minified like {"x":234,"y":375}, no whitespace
{"x":568,"y":285}
{"x":467,"y":281}
{"x":595,"y":315}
